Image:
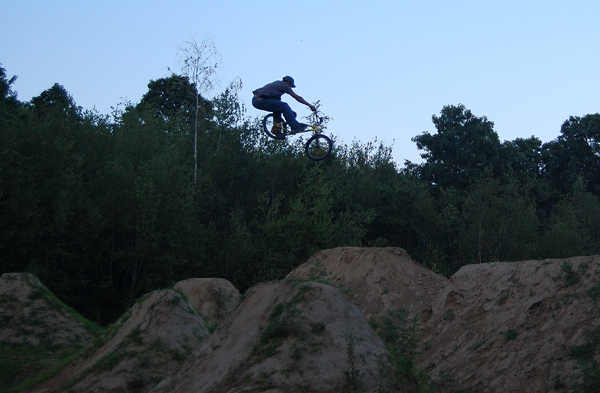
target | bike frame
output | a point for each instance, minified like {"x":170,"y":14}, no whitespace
{"x":316,"y":128}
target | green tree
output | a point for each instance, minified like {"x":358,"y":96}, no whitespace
{"x":7,"y":94}
{"x":57,"y":101}
{"x":171,"y":101}
{"x":523,"y":157}
{"x":574,"y":226}
{"x":464,"y":149}
{"x":575,"y":153}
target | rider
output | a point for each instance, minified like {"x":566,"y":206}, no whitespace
{"x":268,"y":98}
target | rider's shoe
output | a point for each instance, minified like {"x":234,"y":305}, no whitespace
{"x":302,"y":128}
{"x":276,"y":129}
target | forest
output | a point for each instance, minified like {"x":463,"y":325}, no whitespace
{"x":106,"y":207}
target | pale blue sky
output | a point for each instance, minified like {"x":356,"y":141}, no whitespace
{"x":380,"y":68}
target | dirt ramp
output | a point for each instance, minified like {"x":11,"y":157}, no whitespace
{"x":214,"y":298}
{"x":510,"y":327}
{"x":376,"y":280}
{"x":151,"y":340}
{"x":285,"y":337}
{"x":33,"y":316}
{"x":38,"y":333}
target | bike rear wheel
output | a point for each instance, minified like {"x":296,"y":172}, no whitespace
{"x":268,"y":128}
{"x":318,"y":147}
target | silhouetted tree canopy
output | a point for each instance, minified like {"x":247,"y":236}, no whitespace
{"x":106,"y":208}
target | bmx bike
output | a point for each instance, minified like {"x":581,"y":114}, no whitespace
{"x":317,"y":148}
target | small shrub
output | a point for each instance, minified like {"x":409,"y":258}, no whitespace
{"x":449,"y":315}
{"x":135,"y":336}
{"x":569,"y":276}
{"x":353,"y":374}
{"x":502,"y":299}
{"x":587,"y":370}
{"x":177,"y":355}
{"x":399,"y":333}
{"x":136,"y":380}
{"x":108,"y":362}
{"x":511,"y":334}
{"x":317,"y":327}
{"x":283,"y":323}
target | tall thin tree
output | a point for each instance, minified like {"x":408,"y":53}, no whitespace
{"x":199,"y":63}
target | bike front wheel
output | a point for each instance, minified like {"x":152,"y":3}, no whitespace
{"x":268,"y":128}
{"x":318,"y":147}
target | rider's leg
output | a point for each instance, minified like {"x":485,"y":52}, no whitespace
{"x":278,"y":106}
{"x":290,"y":117}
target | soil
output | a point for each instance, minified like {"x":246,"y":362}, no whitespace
{"x":491,"y":327}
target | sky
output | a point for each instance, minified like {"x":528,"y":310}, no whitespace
{"x":381,"y":69}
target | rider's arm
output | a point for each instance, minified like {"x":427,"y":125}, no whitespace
{"x":302,"y":101}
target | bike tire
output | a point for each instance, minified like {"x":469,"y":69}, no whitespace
{"x":318,"y":147}
{"x":267,"y":124}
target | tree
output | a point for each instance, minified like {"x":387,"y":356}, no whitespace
{"x":57,"y":100}
{"x":170,"y":102}
{"x":524,"y":157}
{"x":463,"y":150}
{"x":575,"y":153}
{"x":199,"y":65}
{"x":6,"y":92}
{"x":574,"y":225}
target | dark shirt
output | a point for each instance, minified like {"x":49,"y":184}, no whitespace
{"x":273,"y":90}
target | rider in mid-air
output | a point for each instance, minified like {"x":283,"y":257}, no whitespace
{"x":268,"y":98}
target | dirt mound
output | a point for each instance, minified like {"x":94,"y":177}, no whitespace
{"x":41,"y":317}
{"x":495,"y":327}
{"x":376,"y":280}
{"x":214,"y":298}
{"x":38,"y":332}
{"x":500,"y":327}
{"x":285,"y":336}
{"x":150,"y":340}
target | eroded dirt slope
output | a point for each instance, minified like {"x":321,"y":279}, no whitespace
{"x":37,"y":331}
{"x":495,"y":327}
{"x":27,"y":309}
{"x":509,"y":327}
{"x":284,"y":336}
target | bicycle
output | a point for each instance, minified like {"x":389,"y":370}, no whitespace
{"x":317,"y":148}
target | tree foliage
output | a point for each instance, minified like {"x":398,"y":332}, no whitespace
{"x":464,"y":149}
{"x":106,"y":208}
{"x":574,"y":155}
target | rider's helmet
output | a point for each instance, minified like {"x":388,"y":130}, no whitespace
{"x":289,"y":79}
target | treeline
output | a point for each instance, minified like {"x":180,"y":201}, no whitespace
{"x":104,"y":208}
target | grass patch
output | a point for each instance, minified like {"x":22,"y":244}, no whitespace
{"x":510,"y":334}
{"x":586,"y":377}
{"x":353,"y":375}
{"x":135,"y":337}
{"x":568,"y":275}
{"x":38,"y":357}
{"x":24,"y":366}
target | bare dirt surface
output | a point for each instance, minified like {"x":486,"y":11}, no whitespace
{"x":494,"y":327}
{"x":509,"y":327}
{"x":283,"y":337}
{"x":214,"y":298}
